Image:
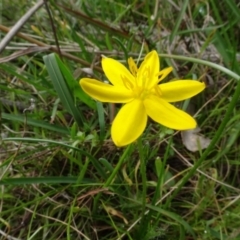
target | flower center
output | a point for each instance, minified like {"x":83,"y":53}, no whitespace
{"x":140,"y":88}
{"x":141,"y":92}
{"x":143,"y":77}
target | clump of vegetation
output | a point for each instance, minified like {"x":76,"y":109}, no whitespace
{"x":62,"y":176}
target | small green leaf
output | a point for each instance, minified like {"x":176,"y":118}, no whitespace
{"x":36,"y":123}
{"x":74,"y":85}
{"x":62,"y":88}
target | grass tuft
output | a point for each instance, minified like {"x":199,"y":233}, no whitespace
{"x":61,"y":177}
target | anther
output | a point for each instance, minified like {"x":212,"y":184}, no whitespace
{"x":127,"y":83}
{"x":132,"y":66}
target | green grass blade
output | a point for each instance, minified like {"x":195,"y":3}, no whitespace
{"x":179,"y":20}
{"x":36,"y":123}
{"x":234,"y":8}
{"x":173,"y":216}
{"x":95,"y":163}
{"x":101,"y":119}
{"x":62,"y":87}
{"x":74,"y":86}
{"x":45,"y":180}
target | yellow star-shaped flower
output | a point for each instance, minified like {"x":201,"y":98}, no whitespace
{"x":143,"y":96}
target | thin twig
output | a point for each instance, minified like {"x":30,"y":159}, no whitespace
{"x":18,"y":25}
{"x":53,"y":49}
{"x":53,"y":27}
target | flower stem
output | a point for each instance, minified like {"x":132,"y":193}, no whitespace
{"x":144,"y":186}
{"x":112,"y":176}
{"x":207,"y":63}
{"x":143,"y":174}
{"x":118,"y":166}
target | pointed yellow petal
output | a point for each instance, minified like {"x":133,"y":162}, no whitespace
{"x":105,"y":92}
{"x":168,"y":115}
{"x":117,"y":72}
{"x":180,"y":90}
{"x":129,"y":123}
{"x":162,"y":74}
{"x":148,"y":71}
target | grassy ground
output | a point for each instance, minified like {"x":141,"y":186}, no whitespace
{"x":63,"y":178}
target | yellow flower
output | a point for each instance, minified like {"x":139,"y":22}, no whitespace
{"x":142,"y":97}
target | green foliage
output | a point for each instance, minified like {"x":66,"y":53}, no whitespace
{"x":61,"y":176}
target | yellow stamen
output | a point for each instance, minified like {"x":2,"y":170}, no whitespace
{"x":127,"y":83}
{"x":144,"y":77}
{"x":132,"y":66}
{"x":162,"y":74}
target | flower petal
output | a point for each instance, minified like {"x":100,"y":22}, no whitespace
{"x":105,"y":92}
{"x":148,"y":71}
{"x":116,"y":72}
{"x":162,"y":74}
{"x":168,"y":115}
{"x":129,"y":123}
{"x":180,"y":90}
